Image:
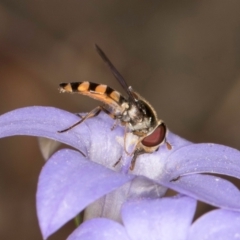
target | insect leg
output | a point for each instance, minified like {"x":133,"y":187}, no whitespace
{"x":124,"y":142}
{"x":117,"y":162}
{"x":113,"y":116}
{"x":79,"y":115}
{"x":91,"y":114}
{"x":169,"y":146}
{"x":135,"y":155}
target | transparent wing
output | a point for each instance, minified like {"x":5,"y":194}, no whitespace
{"x":117,"y":75}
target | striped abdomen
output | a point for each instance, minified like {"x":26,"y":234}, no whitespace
{"x":96,"y":91}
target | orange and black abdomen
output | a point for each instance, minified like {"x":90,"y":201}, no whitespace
{"x":96,"y":91}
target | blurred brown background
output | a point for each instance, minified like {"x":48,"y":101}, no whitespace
{"x":182,"y":56}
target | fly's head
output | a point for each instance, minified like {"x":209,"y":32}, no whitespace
{"x":144,"y":123}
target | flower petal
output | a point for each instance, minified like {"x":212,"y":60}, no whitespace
{"x":44,"y":122}
{"x":210,"y":189}
{"x":94,"y":137}
{"x":204,"y":158}
{"x":99,"y":229}
{"x":183,"y":164}
{"x":110,"y":205}
{"x":104,"y":147}
{"x":67,"y":184}
{"x":165,"y":218}
{"x":217,"y":224}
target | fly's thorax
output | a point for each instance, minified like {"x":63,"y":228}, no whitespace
{"x":135,"y":114}
{"x":144,"y":117}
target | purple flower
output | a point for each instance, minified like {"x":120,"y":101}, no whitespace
{"x":70,"y":183}
{"x":163,"y":219}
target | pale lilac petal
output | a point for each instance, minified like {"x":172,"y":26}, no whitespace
{"x":99,"y":229}
{"x":216,"y":225}
{"x":44,"y":122}
{"x":182,"y":166}
{"x":210,"y":189}
{"x":94,"y":137}
{"x":104,"y":147}
{"x":204,"y":158}
{"x":165,"y":218}
{"x":67,"y":184}
{"x":138,"y":188}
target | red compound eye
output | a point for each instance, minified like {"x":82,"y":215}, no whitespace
{"x":156,"y":137}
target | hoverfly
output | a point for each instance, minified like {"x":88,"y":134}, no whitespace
{"x":133,"y":111}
